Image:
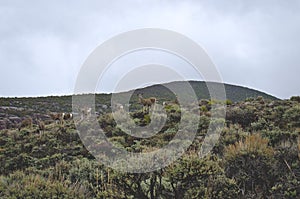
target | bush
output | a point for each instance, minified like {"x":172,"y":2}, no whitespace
{"x":250,"y":163}
{"x":292,"y":116}
{"x":19,"y":185}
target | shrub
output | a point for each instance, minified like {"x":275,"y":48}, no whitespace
{"x":19,"y":185}
{"x":250,"y":163}
{"x":292,"y":116}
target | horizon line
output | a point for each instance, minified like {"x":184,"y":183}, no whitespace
{"x":124,"y":91}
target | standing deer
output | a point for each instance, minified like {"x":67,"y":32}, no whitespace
{"x":86,"y":112}
{"x":25,"y":123}
{"x":146,"y":102}
{"x":57,"y":117}
{"x":41,"y":126}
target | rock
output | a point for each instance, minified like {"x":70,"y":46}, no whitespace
{"x":271,"y":105}
{"x":15,"y":120}
{"x":2,"y":115}
{"x":42,"y":116}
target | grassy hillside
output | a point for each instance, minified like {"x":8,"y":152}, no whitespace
{"x":233,"y":92}
{"x":63,"y":103}
{"x":257,"y":156}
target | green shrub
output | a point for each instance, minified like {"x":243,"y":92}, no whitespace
{"x":19,"y":185}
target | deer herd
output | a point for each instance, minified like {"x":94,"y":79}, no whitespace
{"x":60,"y":118}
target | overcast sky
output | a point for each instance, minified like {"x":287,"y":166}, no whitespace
{"x":252,"y":43}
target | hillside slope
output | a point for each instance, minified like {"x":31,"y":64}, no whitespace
{"x":256,"y":156}
{"x":233,"y":92}
{"x":13,"y":110}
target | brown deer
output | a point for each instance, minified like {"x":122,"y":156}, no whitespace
{"x":146,"y":102}
{"x":41,"y":126}
{"x":27,"y":122}
{"x":57,"y":117}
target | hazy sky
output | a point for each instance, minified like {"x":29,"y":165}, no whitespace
{"x":252,"y":43}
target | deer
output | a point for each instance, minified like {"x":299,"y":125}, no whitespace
{"x":86,"y":112}
{"x":146,"y":102}
{"x":67,"y":116}
{"x":41,"y":126}
{"x":60,"y":117}
{"x":27,"y":122}
{"x":57,"y":117}
{"x":173,"y":102}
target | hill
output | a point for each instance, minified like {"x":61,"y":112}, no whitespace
{"x":63,"y":103}
{"x":233,"y":92}
{"x":13,"y":110}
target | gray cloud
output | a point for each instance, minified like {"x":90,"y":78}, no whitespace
{"x":44,"y":43}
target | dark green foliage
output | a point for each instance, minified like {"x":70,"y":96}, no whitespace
{"x":243,"y":116}
{"x":295,"y":98}
{"x":191,"y":177}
